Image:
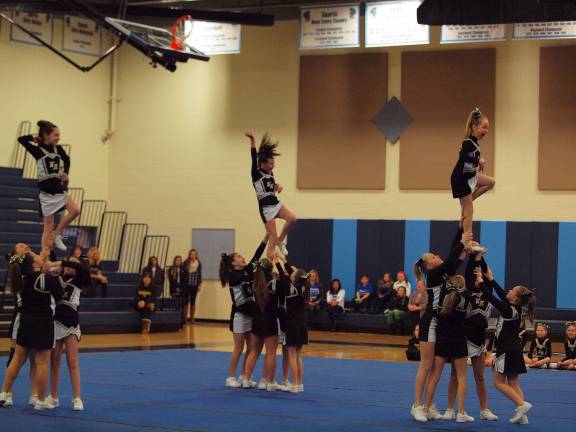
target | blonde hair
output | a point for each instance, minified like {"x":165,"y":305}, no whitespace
{"x":93,"y":255}
{"x":455,"y":285}
{"x":474,"y":119}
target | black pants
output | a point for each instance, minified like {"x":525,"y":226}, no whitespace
{"x":335,"y":314}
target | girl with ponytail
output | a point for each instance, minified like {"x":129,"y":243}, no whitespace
{"x":53,"y":166}
{"x":239,"y":276}
{"x":468,"y":180}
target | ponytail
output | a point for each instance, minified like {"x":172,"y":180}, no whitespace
{"x":225,"y":267}
{"x":260,"y":288}
{"x":528,"y":301}
{"x":474,"y":118}
{"x":418,"y":269}
{"x":455,"y":286}
{"x":45,"y":128}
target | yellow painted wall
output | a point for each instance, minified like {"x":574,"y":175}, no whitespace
{"x":35,"y":84}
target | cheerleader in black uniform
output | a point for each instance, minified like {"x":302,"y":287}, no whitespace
{"x":569,"y":360}
{"x":266,"y":189}
{"x":540,"y":353}
{"x":264,"y":326}
{"x":67,"y":329}
{"x":433,"y":270}
{"x":468,"y":181}
{"x":35,"y":333}
{"x":451,"y":344}
{"x":295,"y":284}
{"x":53,"y":165}
{"x":509,"y":360}
{"x":239,"y":276}
{"x":475,"y":325}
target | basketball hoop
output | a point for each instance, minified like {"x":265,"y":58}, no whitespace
{"x":179,"y":33}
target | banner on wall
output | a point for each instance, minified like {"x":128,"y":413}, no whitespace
{"x":81,"y":35}
{"x":214,"y":38}
{"x":330,"y":27}
{"x":545,"y":30}
{"x":394,"y":23}
{"x":40,"y":24}
{"x":473,"y":33}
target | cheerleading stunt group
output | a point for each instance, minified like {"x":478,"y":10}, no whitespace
{"x":269,"y":296}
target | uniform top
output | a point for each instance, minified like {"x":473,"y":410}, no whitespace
{"x":452,"y":325}
{"x":570,"y":348}
{"x":240,"y":283}
{"x":468,"y":159}
{"x":294,"y":297}
{"x":271,"y":308}
{"x":263,"y":182}
{"x":51,"y":162}
{"x":479,"y":310}
{"x":508,"y":326}
{"x":67,"y":306}
{"x":37,"y":294}
{"x":540,"y":348}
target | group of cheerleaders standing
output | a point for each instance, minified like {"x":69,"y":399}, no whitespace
{"x":47,"y":290}
{"x":453,"y":327}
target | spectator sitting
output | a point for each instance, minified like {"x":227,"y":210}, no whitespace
{"x":153,"y":268}
{"x":77,"y":252}
{"x":418,"y":301}
{"x":363,"y":299}
{"x":192,"y":268}
{"x":96,"y":276}
{"x":145,"y":297}
{"x":335,"y":303}
{"x":384,"y":293}
{"x":398,"y":311}
{"x":402,"y":281}
{"x":314,"y":303}
{"x":413,"y":351}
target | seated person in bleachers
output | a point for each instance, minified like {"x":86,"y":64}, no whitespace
{"x":384,"y":293}
{"x":335,"y":303}
{"x":316,"y":298}
{"x":77,"y":252}
{"x":145,"y":301}
{"x":96,"y":276}
{"x":153,"y":268}
{"x":402,"y":281}
{"x":569,"y":359}
{"x":398,"y":312}
{"x":540,"y":353}
{"x":418,"y":301}
{"x":413,"y":351}
{"x":363,"y":299}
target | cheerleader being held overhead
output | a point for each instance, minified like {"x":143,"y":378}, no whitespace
{"x":467,"y":180}
{"x":263,"y":161}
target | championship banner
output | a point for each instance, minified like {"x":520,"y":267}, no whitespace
{"x":81,"y":35}
{"x":545,"y":30}
{"x":330,"y":27}
{"x":394,"y":23}
{"x":39,"y":24}
{"x":214,"y":38}
{"x":473,"y":33}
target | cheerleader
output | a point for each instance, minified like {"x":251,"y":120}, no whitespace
{"x":475,"y":325}
{"x":433,"y":270}
{"x":35,"y":329}
{"x":67,"y":330}
{"x":264,"y":326}
{"x":540,"y":353}
{"x":451,"y":345}
{"x":239,"y":276}
{"x":467,"y":180}
{"x":413,"y":349}
{"x":266,"y":190}
{"x":509,"y":360}
{"x":295,"y":284}
{"x":569,"y":360}
{"x":53,"y":165}
{"x":146,"y":301}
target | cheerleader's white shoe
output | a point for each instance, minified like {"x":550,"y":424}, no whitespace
{"x":32,"y":400}
{"x":262,"y":385}
{"x":488,"y":415}
{"x":433,"y":413}
{"x":271,"y":387}
{"x":42,"y":405}
{"x":58,"y":242}
{"x":283,"y":248}
{"x":77,"y":404}
{"x":449,"y":415}
{"x":232,"y":382}
{"x":5,"y":399}
{"x":521,"y":411}
{"x":418,"y":413}
{"x":54,"y":403}
{"x":524,"y":420}
{"x":464,"y":418}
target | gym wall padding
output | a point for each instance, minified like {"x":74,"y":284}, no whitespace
{"x":536,"y":254}
{"x":439,"y":89}
{"x":339,"y":96}
{"x":556,"y":150}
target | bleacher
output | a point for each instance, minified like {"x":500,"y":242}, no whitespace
{"x":20,"y":222}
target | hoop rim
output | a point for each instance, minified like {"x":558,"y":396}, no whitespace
{"x":179,"y":41}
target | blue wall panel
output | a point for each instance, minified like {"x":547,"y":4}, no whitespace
{"x":344,"y":237}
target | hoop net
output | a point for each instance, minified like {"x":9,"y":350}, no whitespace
{"x":180,"y":33}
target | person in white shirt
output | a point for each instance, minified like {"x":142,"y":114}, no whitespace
{"x":402,"y":281}
{"x":335,"y":303}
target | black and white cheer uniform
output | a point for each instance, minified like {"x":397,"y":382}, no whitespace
{"x":540,"y":348}
{"x":450,"y":332}
{"x":478,"y":313}
{"x":66,"y":319}
{"x":465,"y":174}
{"x":51,"y":162}
{"x":265,"y":321}
{"x":294,"y":297}
{"x":265,"y":187}
{"x":569,"y":349}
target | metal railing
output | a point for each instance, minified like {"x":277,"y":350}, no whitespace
{"x":131,"y":247}
{"x":157,"y":245}
{"x":110,"y":235}
{"x":77,"y":195}
{"x":19,"y":153}
{"x":91,"y":213}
